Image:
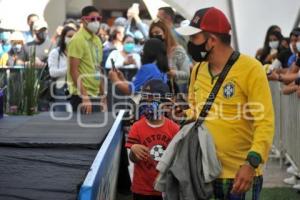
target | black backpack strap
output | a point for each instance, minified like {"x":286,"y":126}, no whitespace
{"x":213,"y":94}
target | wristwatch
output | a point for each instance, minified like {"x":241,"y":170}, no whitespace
{"x":254,"y":159}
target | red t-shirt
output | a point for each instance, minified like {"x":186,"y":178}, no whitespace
{"x":157,"y":140}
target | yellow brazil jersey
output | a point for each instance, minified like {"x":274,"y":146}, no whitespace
{"x":87,"y":48}
{"x":242,"y":118}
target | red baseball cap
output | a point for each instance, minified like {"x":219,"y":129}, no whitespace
{"x":207,"y":19}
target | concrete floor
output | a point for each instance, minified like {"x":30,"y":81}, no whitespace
{"x":274,"y":174}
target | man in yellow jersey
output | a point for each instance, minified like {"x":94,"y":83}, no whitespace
{"x":241,"y":119}
{"x":85,"y":56}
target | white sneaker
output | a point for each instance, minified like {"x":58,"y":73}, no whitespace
{"x":292,"y":170}
{"x":274,"y":153}
{"x":297,"y":187}
{"x":291,"y":180}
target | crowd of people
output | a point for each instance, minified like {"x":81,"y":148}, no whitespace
{"x":122,"y":42}
{"x":81,"y":56}
{"x":280,"y":56}
{"x":281,"y":59}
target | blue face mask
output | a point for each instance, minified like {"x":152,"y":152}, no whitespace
{"x":6,"y":48}
{"x":128,"y":47}
{"x":151,"y":110}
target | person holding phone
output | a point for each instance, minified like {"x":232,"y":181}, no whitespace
{"x":155,"y":66}
{"x":125,"y":58}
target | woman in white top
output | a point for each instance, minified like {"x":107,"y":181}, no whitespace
{"x":126,"y":58}
{"x":58,"y":64}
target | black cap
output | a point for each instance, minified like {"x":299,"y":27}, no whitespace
{"x":156,"y":87}
{"x":210,"y":19}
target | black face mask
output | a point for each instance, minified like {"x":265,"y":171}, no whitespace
{"x":198,"y":52}
{"x":41,"y":36}
{"x":158,"y":37}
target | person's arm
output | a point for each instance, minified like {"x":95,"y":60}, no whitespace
{"x":142,"y":27}
{"x":292,"y":73}
{"x":74,"y":66}
{"x":289,"y":89}
{"x":133,"y":13}
{"x":260,"y":110}
{"x":53,"y":62}
{"x":124,"y":87}
{"x":287,"y":78}
{"x":128,"y":26}
{"x":182,"y":63}
{"x":132,"y":157}
{"x":118,"y":80}
{"x":138,"y":151}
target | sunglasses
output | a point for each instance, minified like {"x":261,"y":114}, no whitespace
{"x":92,"y":19}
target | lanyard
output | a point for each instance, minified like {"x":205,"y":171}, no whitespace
{"x":95,"y":53}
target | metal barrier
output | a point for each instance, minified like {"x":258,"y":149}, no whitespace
{"x":287,"y":126}
{"x":100,"y":182}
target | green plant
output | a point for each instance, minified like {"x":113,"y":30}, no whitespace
{"x":24,"y":87}
{"x":15,"y":94}
{"x":31,"y":86}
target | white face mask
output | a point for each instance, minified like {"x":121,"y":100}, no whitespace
{"x":274,"y":44}
{"x":67,"y":40}
{"x":298,"y":46}
{"x":17,"y":48}
{"x":94,"y":26}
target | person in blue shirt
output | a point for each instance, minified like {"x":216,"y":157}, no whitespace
{"x":154,"y":66}
{"x":287,"y":57}
{"x":293,"y":40}
{"x":29,"y":35}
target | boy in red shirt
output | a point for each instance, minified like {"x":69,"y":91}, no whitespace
{"x":148,"y":138}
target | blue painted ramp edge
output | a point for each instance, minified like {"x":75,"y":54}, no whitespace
{"x":103,"y":161}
